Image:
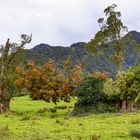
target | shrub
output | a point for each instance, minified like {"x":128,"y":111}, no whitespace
{"x":135,"y":133}
{"x":90,"y":91}
{"x":91,"y":97}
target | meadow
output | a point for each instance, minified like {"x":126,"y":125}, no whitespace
{"x":39,"y":120}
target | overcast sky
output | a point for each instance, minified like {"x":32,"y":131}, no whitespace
{"x":60,"y":22}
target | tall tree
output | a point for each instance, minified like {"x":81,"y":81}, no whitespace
{"x":112,"y":34}
{"x":124,"y":91}
{"x":48,"y":82}
{"x":10,"y":57}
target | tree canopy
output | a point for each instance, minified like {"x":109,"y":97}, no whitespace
{"x":10,"y":57}
{"x":112,"y":34}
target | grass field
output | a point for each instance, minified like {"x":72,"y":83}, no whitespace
{"x":33,"y":120}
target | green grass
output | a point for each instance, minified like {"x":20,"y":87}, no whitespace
{"x":27,"y":122}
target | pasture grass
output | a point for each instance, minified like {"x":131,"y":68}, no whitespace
{"x":38,"y":120}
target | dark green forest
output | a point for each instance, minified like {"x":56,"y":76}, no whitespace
{"x":78,"y":52}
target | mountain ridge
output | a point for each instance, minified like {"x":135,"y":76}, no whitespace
{"x":42,"y":52}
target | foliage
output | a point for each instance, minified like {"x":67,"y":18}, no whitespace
{"x":48,"y":82}
{"x":124,"y":84}
{"x":111,"y":35}
{"x":10,"y":57}
{"x":101,"y":75}
{"x":109,"y":88}
{"x":90,"y":95}
{"x":90,"y":91}
{"x":136,"y":88}
{"x":135,"y":133}
{"x":132,"y":82}
{"x":125,"y":89}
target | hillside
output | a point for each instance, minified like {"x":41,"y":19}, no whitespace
{"x":42,"y":52}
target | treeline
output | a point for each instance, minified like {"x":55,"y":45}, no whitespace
{"x":95,"y":92}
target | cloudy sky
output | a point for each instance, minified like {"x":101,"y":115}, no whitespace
{"x":60,"y":22}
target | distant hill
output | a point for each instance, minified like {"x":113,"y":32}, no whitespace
{"x":42,"y":52}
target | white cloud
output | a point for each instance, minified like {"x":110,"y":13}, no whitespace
{"x":60,"y":22}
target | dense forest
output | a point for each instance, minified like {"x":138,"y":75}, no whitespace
{"x":78,"y":52}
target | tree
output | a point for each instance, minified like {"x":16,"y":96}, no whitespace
{"x":48,"y":82}
{"x":73,"y":76}
{"x":125,"y":90}
{"x":10,"y":57}
{"x":110,"y":90}
{"x":111,"y":35}
{"x":135,"y":90}
{"x":42,"y":82}
{"x":102,"y":75}
{"x":90,"y":94}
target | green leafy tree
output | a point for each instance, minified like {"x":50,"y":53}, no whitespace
{"x":91,"y":96}
{"x":111,"y":35}
{"x":136,"y":88}
{"x":10,"y":57}
{"x":110,"y":90}
{"x":125,"y":90}
{"x":109,"y":87}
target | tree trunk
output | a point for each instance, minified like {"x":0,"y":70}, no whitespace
{"x":4,"y":107}
{"x":118,"y":68}
{"x":130,"y":106}
{"x":123,"y":106}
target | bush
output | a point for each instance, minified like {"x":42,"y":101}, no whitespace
{"x":135,"y":133}
{"x":99,"y":108}
{"x":90,"y":91}
{"x":91,"y":97}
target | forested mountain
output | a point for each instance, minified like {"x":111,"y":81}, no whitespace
{"x":42,"y":52}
